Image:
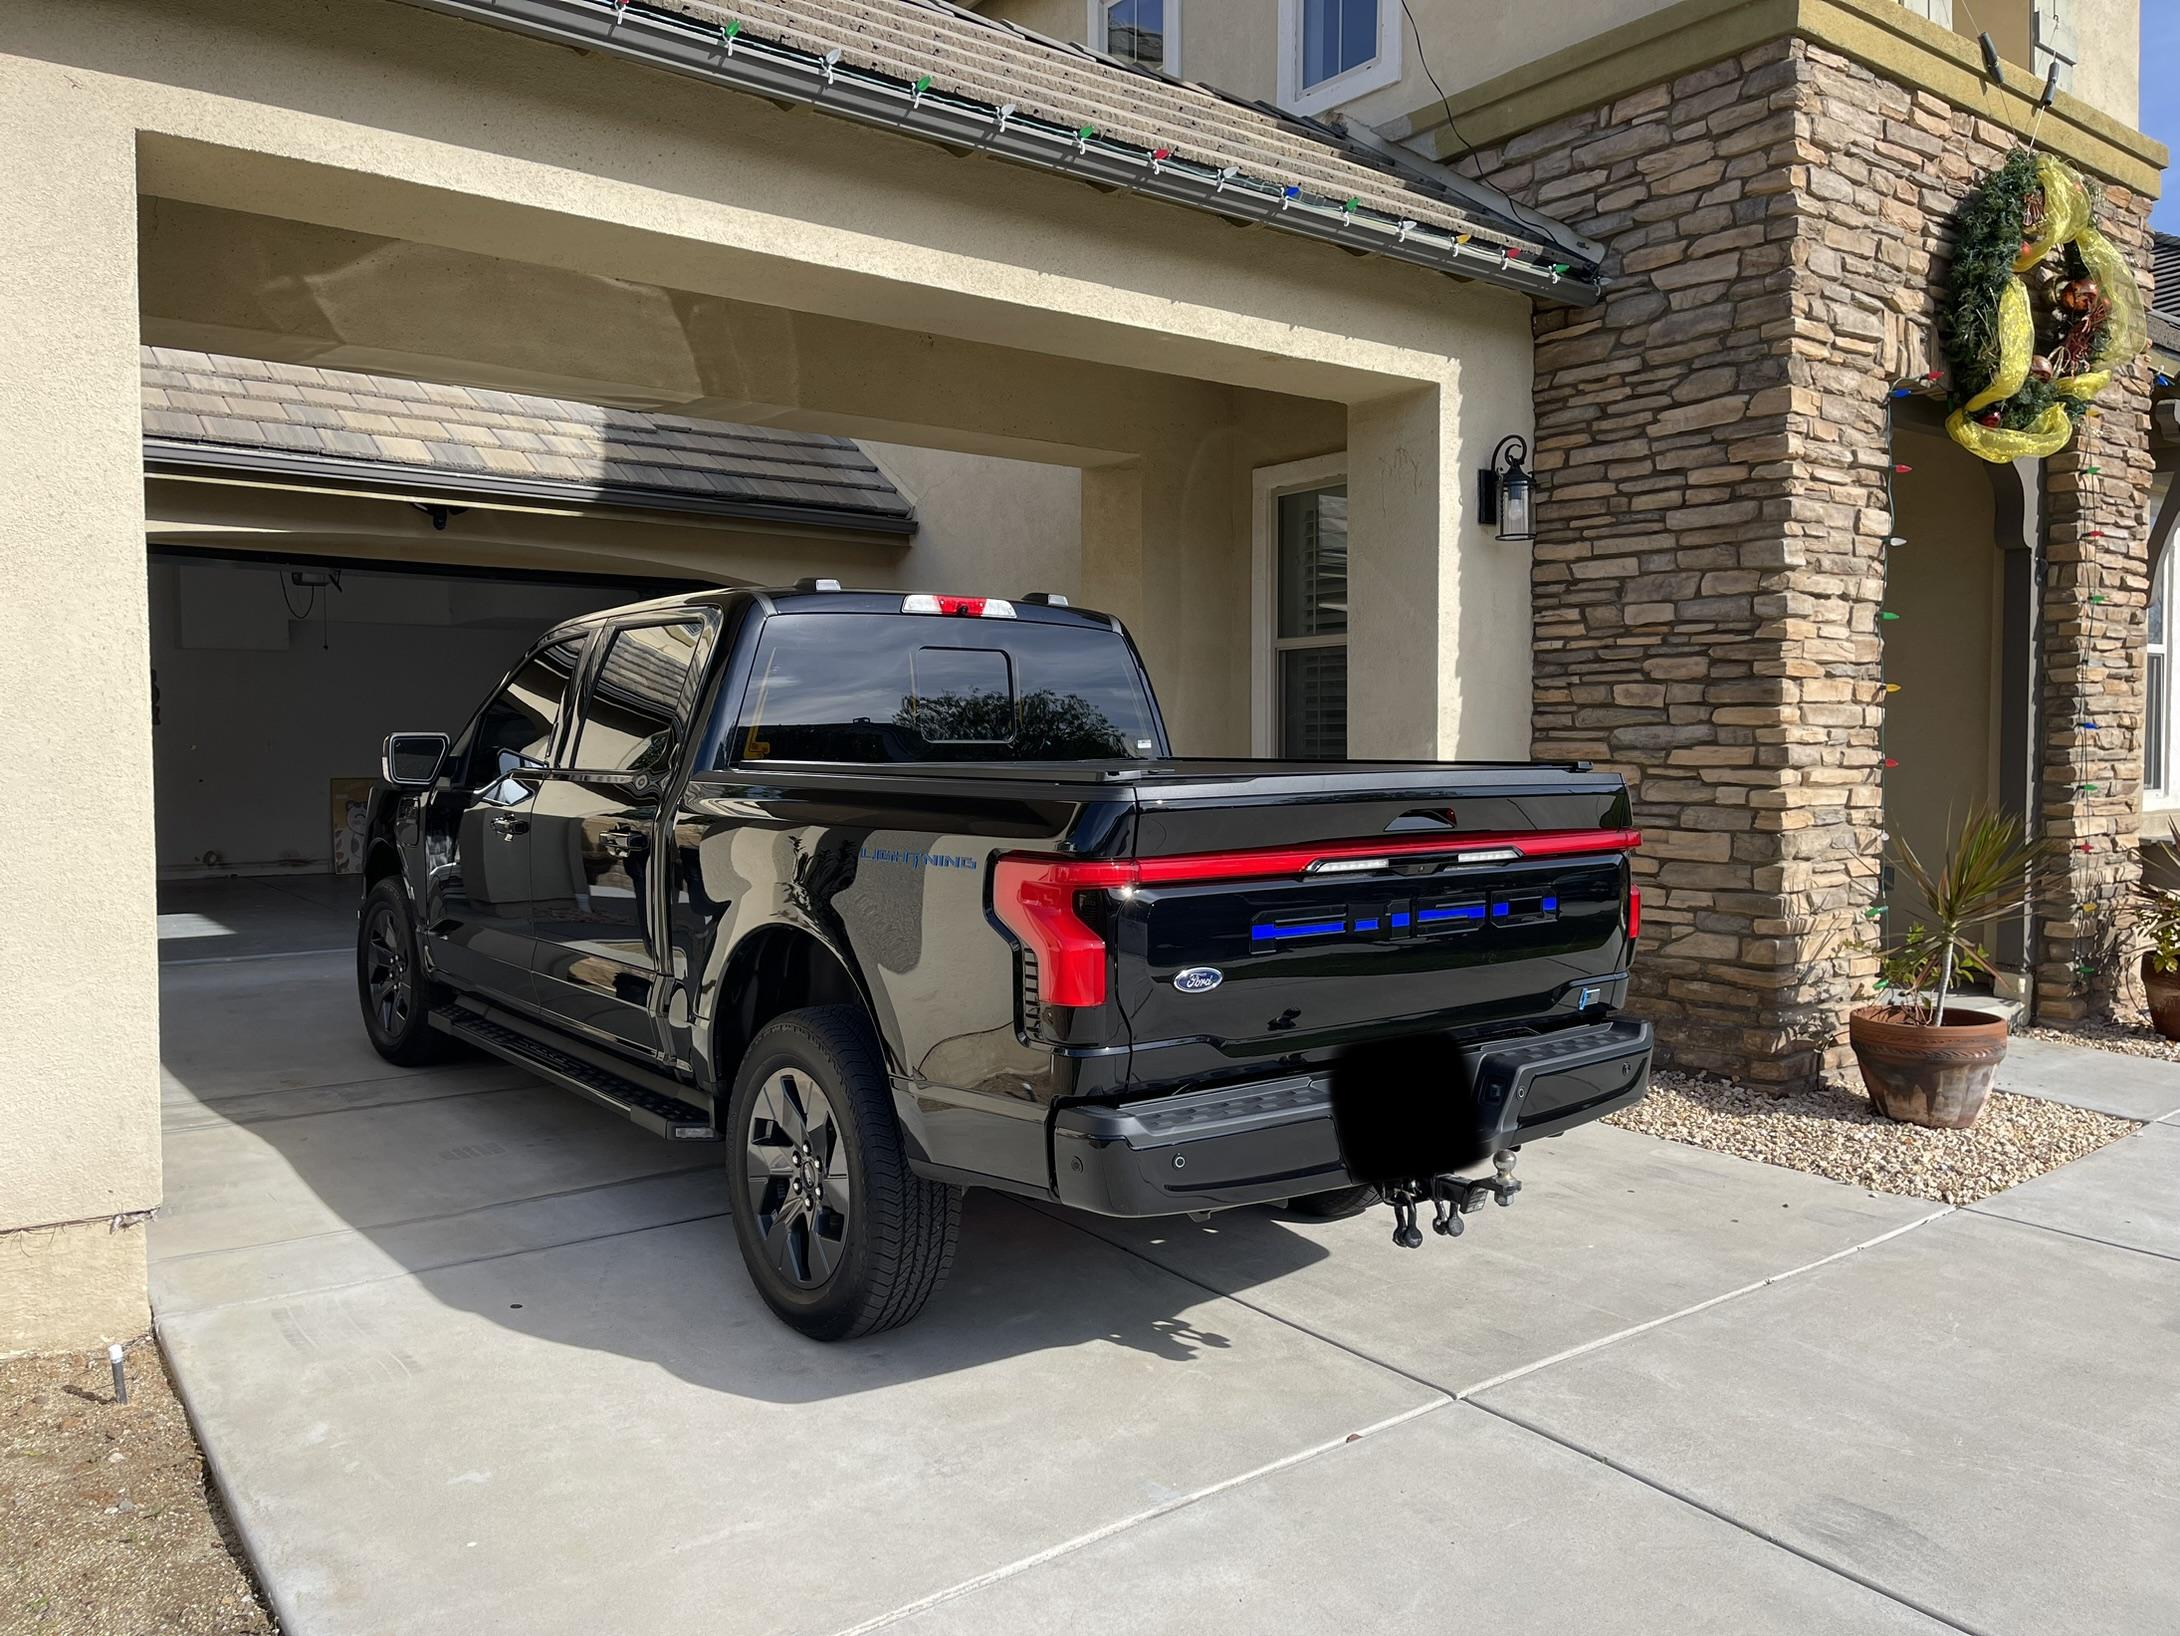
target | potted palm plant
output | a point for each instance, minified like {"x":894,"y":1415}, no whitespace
{"x":1922,"y":1060}
{"x":2157,"y":924}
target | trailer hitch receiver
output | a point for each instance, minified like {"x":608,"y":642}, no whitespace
{"x":1452,"y":1197}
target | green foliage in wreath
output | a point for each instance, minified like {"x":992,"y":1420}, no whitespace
{"x":1990,"y":229}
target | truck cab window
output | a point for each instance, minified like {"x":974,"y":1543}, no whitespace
{"x":516,"y":729}
{"x":631,"y":718}
{"x":874,"y":688}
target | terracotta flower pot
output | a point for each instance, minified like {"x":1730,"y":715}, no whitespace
{"x":2162,"y":989}
{"x":1936,"y":1075}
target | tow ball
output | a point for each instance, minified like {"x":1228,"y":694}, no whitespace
{"x":1452,"y":1197}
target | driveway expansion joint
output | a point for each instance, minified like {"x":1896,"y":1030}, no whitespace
{"x":1730,"y":1520}
{"x":1121,"y":1525}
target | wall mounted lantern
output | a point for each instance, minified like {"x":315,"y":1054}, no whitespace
{"x":1504,"y":489}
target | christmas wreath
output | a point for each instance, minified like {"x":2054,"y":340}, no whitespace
{"x":2040,"y":313}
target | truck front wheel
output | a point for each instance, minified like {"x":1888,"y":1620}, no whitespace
{"x":840,"y":1236}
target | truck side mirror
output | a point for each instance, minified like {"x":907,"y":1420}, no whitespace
{"x":413,"y":759}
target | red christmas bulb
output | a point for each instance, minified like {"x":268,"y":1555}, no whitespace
{"x":1902,"y":471}
{"x":1890,"y":762}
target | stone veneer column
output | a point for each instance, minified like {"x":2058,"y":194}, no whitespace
{"x":1712,"y":442}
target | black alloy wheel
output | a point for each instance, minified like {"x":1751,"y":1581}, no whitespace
{"x":800,"y":1192}
{"x":840,"y":1235}
{"x":390,"y":982}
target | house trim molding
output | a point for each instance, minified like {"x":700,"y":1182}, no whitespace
{"x":1882,"y":35}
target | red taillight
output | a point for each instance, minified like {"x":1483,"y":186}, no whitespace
{"x":1634,"y":911}
{"x":1034,"y":898}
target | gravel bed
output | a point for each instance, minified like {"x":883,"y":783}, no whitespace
{"x":2127,"y":1032}
{"x":1833,"y":1131}
{"x":108,"y":1526}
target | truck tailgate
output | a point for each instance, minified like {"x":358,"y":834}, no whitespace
{"x":1283,"y":910}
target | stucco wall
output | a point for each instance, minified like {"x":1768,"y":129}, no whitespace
{"x":1944,"y":584}
{"x":985,"y":524}
{"x":78,"y":996}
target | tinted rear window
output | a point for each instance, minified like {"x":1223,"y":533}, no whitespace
{"x":912,"y":687}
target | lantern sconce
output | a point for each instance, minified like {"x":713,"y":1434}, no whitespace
{"x":1504,"y":490}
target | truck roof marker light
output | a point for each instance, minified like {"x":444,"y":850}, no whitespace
{"x":968,"y":607}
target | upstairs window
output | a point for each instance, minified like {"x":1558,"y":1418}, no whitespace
{"x":1337,"y":36}
{"x":1138,"y":31}
{"x":1333,"y":51}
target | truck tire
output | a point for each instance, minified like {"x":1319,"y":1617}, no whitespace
{"x":841,"y":1238}
{"x":390,"y":982}
{"x":1341,"y":1201}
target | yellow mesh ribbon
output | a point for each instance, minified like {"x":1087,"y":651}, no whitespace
{"x":2066,"y":221}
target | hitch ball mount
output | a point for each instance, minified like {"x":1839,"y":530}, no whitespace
{"x":1452,"y":1197}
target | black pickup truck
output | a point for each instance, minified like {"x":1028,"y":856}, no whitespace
{"x":901,"y":895}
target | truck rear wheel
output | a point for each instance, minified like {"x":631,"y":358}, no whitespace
{"x":840,"y":1237}
{"x":1341,"y":1201}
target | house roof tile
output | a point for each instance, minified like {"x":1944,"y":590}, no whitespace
{"x":248,"y":406}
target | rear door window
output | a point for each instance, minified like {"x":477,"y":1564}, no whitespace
{"x":634,"y":712}
{"x":908,"y":687}
{"x":516,"y":729}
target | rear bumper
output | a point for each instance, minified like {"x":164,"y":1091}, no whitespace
{"x":1277,"y":1138}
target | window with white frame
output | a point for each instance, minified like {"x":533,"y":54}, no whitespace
{"x":2158,"y":704}
{"x":1301,"y":640}
{"x":1138,"y":31}
{"x":1335,"y":50}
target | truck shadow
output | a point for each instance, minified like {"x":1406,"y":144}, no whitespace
{"x":560,"y":1222}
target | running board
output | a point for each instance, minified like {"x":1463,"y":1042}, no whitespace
{"x":656,"y":1112}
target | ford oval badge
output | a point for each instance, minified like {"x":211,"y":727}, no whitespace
{"x":1198,"y":979}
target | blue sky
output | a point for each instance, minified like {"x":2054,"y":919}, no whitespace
{"x":2161,"y":94}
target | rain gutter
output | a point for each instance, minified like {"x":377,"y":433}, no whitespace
{"x":734,"y":57}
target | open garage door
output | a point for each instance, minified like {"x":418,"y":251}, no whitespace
{"x":276,"y":681}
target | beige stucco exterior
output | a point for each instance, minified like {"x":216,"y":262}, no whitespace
{"x":409,"y":193}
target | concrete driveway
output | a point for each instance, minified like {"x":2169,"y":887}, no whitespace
{"x":469,"y":1354}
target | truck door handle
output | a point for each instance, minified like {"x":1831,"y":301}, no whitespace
{"x":508,"y":824}
{"x":622,"y":843}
